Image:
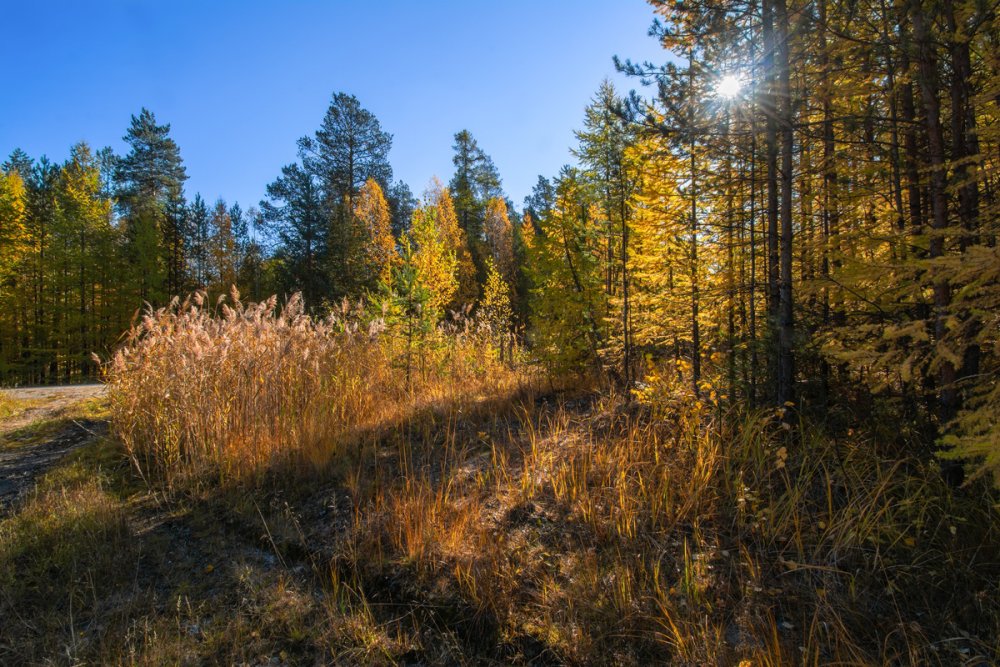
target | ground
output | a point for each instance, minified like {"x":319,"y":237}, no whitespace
{"x":490,"y":538}
{"x":96,"y":568}
{"x":99,"y":567}
{"x":40,"y":432}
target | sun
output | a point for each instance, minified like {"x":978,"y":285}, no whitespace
{"x":728,"y":86}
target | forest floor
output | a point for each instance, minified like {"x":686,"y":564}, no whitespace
{"x":97,"y":568}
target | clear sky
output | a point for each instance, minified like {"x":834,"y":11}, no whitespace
{"x":239,"y":82}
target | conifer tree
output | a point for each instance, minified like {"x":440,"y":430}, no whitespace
{"x":377,"y":246}
{"x":496,"y":311}
{"x":150,"y":180}
{"x":294,"y":214}
{"x":456,"y":242}
{"x":349,"y":149}
{"x":499,"y":233}
{"x":432,"y":259}
{"x":474,"y":183}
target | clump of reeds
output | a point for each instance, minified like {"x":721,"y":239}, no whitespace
{"x":242,"y":388}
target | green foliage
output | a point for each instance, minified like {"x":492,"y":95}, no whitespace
{"x":409,"y":310}
{"x":474,"y":184}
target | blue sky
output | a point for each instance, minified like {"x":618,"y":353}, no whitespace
{"x":239,"y":82}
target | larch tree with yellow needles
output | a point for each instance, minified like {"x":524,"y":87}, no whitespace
{"x":457,"y":242}
{"x":434,"y":263}
{"x":376,"y":255}
{"x":500,"y":237}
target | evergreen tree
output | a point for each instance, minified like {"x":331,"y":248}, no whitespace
{"x":499,"y":233}
{"x":198,"y":227}
{"x":541,"y":200}
{"x":603,"y":150}
{"x":475,"y":182}
{"x":349,"y":149}
{"x":294,"y":214}
{"x":223,"y":250}
{"x":150,"y":180}
{"x":402,"y":203}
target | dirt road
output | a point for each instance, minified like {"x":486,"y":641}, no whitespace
{"x":36,"y":438}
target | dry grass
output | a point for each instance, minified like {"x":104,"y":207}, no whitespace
{"x":469,"y":520}
{"x":247,"y":389}
{"x":9,"y":406}
{"x":605,"y":535}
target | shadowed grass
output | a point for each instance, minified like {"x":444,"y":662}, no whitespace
{"x":469,"y":520}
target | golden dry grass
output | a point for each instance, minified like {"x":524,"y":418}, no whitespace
{"x":9,"y":406}
{"x":247,"y":388}
{"x":468,"y":519}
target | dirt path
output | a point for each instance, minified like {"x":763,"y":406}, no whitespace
{"x":35,"y":439}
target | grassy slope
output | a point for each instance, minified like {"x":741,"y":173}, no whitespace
{"x":519,"y":530}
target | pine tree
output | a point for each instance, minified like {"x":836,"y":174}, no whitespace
{"x":198,"y":229}
{"x":349,"y":149}
{"x":603,"y":151}
{"x":474,"y":183}
{"x":402,"y":203}
{"x":294,"y":214}
{"x":150,"y":180}
{"x":223,"y":250}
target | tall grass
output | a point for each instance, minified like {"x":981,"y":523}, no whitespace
{"x":485,"y":527}
{"x":244,"y":388}
{"x":8,"y":406}
{"x":607,"y":535}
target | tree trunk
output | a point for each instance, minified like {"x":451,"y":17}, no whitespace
{"x":927,"y":79}
{"x":786,"y":333}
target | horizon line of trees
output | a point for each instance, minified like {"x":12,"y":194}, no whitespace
{"x":823,"y":240}
{"x":86,"y":244}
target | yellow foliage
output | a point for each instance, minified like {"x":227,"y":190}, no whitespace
{"x":13,"y":234}
{"x":455,"y":241}
{"x":379,"y":246}
{"x":437,"y":269}
{"x":500,"y":237}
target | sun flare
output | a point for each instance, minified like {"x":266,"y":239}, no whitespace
{"x":729,"y":86}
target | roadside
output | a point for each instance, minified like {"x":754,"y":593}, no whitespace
{"x":49,"y":423}
{"x":45,"y":402}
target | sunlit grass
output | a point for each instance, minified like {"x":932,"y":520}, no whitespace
{"x":468,"y":519}
{"x":254,"y":388}
{"x":10,"y":406}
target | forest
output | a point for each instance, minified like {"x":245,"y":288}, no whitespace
{"x":724,"y":390}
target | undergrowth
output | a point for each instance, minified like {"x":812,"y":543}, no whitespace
{"x":469,"y":518}
{"x":228,"y":394}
